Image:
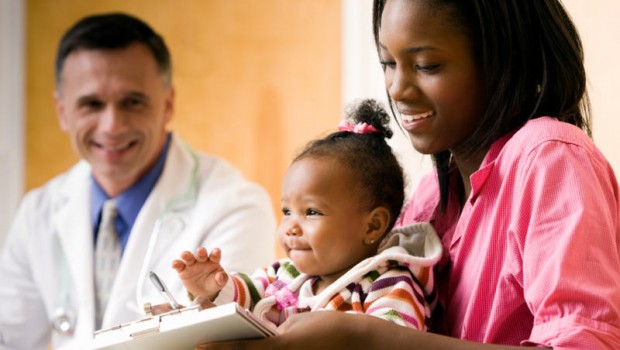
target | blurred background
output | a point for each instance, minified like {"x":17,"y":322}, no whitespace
{"x":255,"y":80}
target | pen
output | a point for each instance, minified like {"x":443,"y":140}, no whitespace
{"x":163,"y":290}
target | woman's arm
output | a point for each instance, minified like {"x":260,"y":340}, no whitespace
{"x":338,"y":330}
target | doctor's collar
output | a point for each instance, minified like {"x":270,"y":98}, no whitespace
{"x":129,"y":202}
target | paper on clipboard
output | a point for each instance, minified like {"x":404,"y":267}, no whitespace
{"x":183,"y":329}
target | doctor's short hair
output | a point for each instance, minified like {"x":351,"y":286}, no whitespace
{"x":112,"y":31}
{"x":378,"y":178}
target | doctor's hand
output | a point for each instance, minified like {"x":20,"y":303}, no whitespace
{"x":201,"y":273}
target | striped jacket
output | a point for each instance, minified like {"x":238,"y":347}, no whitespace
{"x":396,"y":284}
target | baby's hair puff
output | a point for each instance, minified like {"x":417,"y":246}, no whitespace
{"x":361,"y":145}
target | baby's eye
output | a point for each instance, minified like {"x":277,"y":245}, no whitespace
{"x":286,"y":212}
{"x":313,"y":212}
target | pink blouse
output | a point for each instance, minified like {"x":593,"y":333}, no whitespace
{"x":534,"y":257}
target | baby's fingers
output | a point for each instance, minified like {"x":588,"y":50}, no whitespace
{"x":201,"y":254}
{"x":188,"y":258}
{"x":216,"y":256}
{"x":178,"y":265}
{"x":221,"y":278}
{"x":204,"y":302}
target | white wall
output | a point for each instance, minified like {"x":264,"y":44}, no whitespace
{"x":362,"y":76}
{"x":11,"y":109}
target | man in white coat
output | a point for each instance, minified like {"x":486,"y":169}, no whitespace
{"x":115,"y":98}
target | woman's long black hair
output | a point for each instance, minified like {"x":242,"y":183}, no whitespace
{"x":531,"y":57}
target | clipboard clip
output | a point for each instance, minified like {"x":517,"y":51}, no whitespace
{"x":131,"y":329}
{"x":140,"y":328}
{"x":145,"y":327}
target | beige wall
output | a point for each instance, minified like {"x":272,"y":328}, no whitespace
{"x":597,"y":22}
{"x":255,"y":79}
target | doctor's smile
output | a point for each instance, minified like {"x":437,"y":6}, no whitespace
{"x":114,"y":149}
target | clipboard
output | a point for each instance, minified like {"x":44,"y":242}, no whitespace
{"x":183,"y":329}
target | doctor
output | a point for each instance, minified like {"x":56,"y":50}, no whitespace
{"x":114,"y":99}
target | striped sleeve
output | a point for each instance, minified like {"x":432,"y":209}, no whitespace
{"x":395,"y":296}
{"x":249,"y":290}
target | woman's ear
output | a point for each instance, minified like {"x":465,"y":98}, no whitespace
{"x":378,"y":221}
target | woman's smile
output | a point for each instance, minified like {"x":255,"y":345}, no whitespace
{"x":413,"y":121}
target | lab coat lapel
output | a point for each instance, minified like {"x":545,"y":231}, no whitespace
{"x":176,"y":182}
{"x":173,"y":182}
{"x":72,"y":224}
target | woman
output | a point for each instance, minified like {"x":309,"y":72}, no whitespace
{"x":526,"y":206}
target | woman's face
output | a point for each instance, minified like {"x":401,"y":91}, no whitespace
{"x":430,"y":74}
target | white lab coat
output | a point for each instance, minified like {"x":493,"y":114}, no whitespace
{"x":53,"y":223}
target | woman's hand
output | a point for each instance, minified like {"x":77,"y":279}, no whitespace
{"x":321,"y":330}
{"x":312,"y":330}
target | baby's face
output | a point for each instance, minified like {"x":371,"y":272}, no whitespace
{"x":323,"y":224}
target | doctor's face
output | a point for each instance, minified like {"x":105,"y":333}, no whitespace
{"x":115,"y":106}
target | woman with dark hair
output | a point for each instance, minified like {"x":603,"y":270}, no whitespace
{"x":526,"y":206}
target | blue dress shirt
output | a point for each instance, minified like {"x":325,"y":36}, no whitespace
{"x":129,"y":202}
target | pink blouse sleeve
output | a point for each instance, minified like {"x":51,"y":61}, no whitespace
{"x":570,"y":235}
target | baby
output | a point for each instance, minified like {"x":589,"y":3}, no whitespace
{"x":340,"y":199}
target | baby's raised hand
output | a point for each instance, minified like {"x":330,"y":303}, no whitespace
{"x":201,"y":274}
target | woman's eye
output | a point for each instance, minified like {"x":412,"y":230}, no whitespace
{"x":385,"y":64}
{"x":428,"y":68}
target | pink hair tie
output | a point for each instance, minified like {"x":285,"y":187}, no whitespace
{"x":359,"y":128}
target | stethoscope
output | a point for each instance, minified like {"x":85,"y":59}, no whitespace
{"x":64,"y":319}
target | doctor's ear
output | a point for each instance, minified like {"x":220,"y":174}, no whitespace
{"x":60,"y":111}
{"x":379,"y":219}
{"x":169,"y":109}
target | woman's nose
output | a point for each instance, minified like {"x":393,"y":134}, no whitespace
{"x":401,"y":85}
